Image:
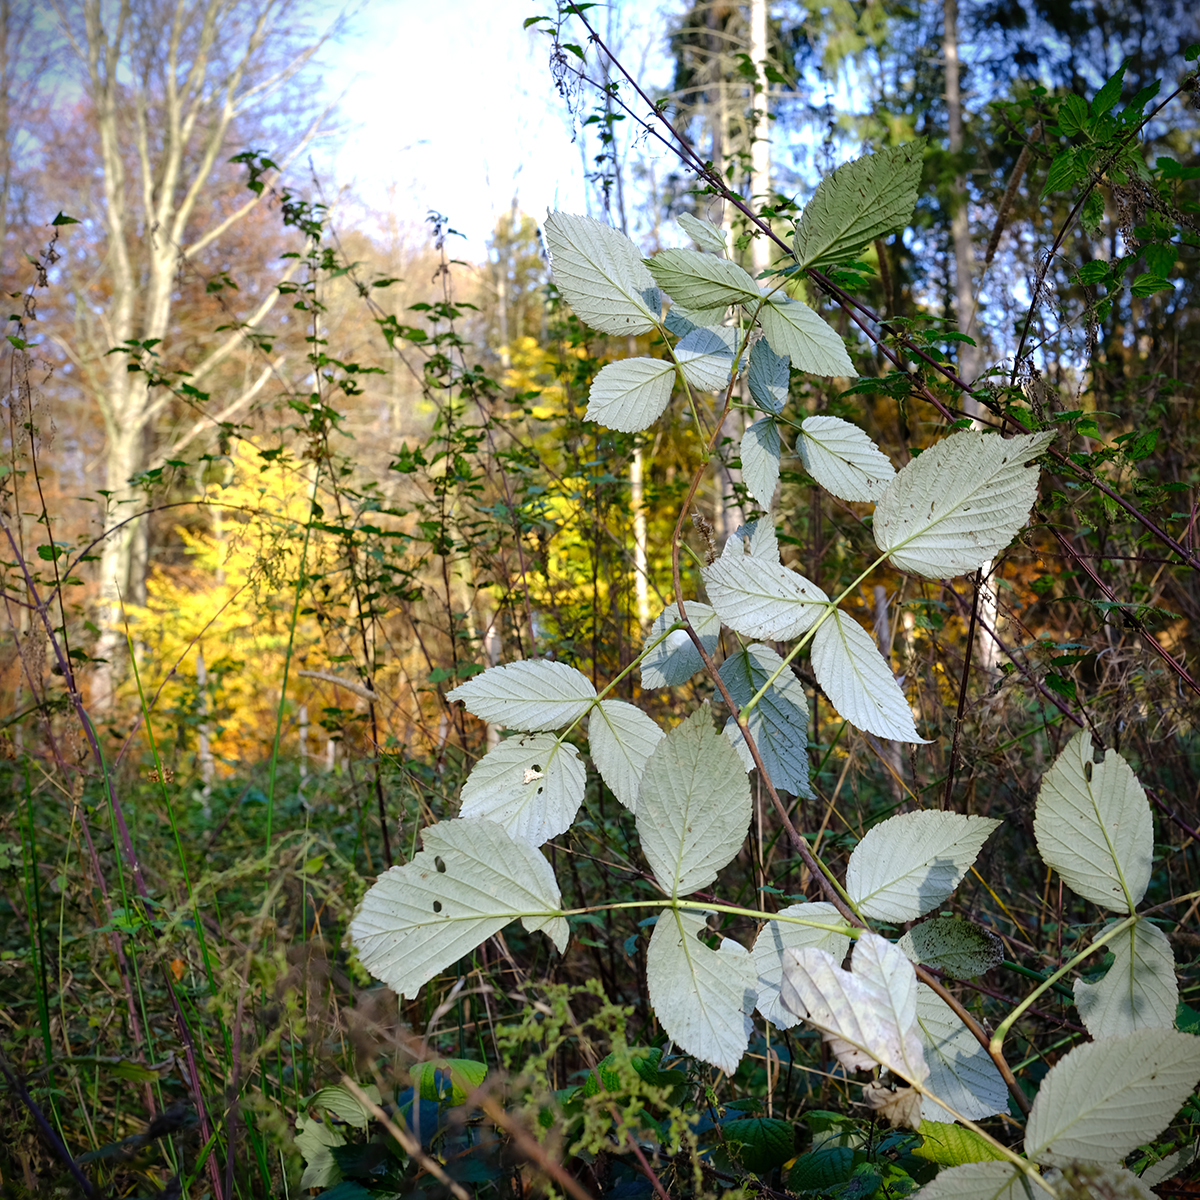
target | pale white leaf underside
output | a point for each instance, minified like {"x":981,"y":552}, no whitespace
{"x":705,"y":356}
{"x":775,"y":937}
{"x":843,"y":460}
{"x":621,"y":738}
{"x":470,"y":880}
{"x":768,"y":377}
{"x":701,"y":281}
{"x":532,"y":695}
{"x":705,"y":234}
{"x":814,"y":346}
{"x":760,"y":460}
{"x":675,"y":660}
{"x":1139,"y":990}
{"x":631,"y":394}
{"x":762,"y":599}
{"x":954,"y":946}
{"x":981,"y":1181}
{"x":960,"y":1071}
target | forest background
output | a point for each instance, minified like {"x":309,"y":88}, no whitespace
{"x":284,"y":467}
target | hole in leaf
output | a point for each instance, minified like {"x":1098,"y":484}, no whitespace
{"x":439,"y":863}
{"x":1087,"y":771}
{"x":539,"y":791}
{"x":437,"y":906}
{"x":536,"y":767}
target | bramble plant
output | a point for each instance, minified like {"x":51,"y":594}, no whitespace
{"x":946,"y":513}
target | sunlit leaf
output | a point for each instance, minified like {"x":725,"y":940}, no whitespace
{"x":805,"y":337}
{"x":706,"y":235}
{"x":842,"y":459}
{"x":631,"y":394}
{"x":706,"y":357}
{"x":760,"y":598}
{"x":777,"y":936}
{"x":470,"y":880}
{"x":1139,"y":990}
{"x":960,"y":1071}
{"x":535,"y":694}
{"x":702,"y":281}
{"x":760,"y":460}
{"x":621,"y":738}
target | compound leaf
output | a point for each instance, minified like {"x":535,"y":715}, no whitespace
{"x":960,"y":1071}
{"x":705,"y":234}
{"x":911,"y":863}
{"x":1139,"y":990}
{"x":1093,"y":826}
{"x":1104,"y":1099}
{"x":860,"y":201}
{"x":532,"y":786}
{"x":676,"y":659}
{"x":959,"y":948}
{"x":960,"y":503}
{"x":777,"y":936}
{"x":794,"y":329}
{"x":759,"y":598}
{"x":768,"y":378}
{"x":532,"y":695}
{"x":703,"y":998}
{"x":470,"y":880}
{"x":778,"y":722}
{"x":856,"y":679}
{"x":868,"y":1014}
{"x":760,"y":460}
{"x":693,"y":809}
{"x":601,"y":275}
{"x":702,"y":281}
{"x":842,"y":459}
{"x":631,"y":394}
{"x":621,"y":738}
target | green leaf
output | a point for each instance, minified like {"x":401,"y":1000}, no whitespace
{"x":981,"y":1181}
{"x":792,"y":328}
{"x":532,"y":695}
{"x":447,"y":1080}
{"x":1146,"y":284}
{"x":776,"y":937}
{"x":1103,"y":1100}
{"x":63,"y":219}
{"x":960,"y":503}
{"x":702,"y":281}
{"x":346,"y":1106}
{"x":675,"y":660}
{"x":1093,"y":826}
{"x":315,"y":1141}
{"x":1066,"y":170}
{"x":768,"y":378}
{"x":706,"y":356}
{"x":1072,"y":114}
{"x":952,"y":1145}
{"x":703,"y":998}
{"x":470,"y":880}
{"x":1139,"y":990}
{"x":631,"y":394}
{"x":857,"y":681}
{"x":778,"y":722}
{"x":693,"y":809}
{"x":843,"y":460}
{"x":823,"y":1170}
{"x":959,"y":948}
{"x":622,"y":738}
{"x":1109,"y":94}
{"x":760,"y":598}
{"x":869,"y":1013}
{"x":601,"y":275}
{"x":532,"y":786}
{"x":960,"y":1071}
{"x":759,"y":1144}
{"x":706,"y":235}
{"x":760,"y":452}
{"x":911,"y":863}
{"x":861,"y":201}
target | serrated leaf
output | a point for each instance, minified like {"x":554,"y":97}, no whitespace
{"x":447,"y":1080}
{"x":470,"y":880}
{"x":843,"y":460}
{"x":958,"y":948}
{"x":1087,"y":1181}
{"x":759,"y":1144}
{"x":778,"y":722}
{"x":693,"y":809}
{"x":960,"y":503}
{"x":857,"y":680}
{"x":702,"y":998}
{"x":631,"y":394}
{"x":1105,"y":1099}
{"x":1139,"y":990}
{"x":622,"y":738}
{"x":760,"y":460}
{"x":701,"y":281}
{"x":758,"y":538}
{"x":952,"y":1145}
{"x":960,"y":1071}
{"x":911,"y":863}
{"x":706,"y":357}
{"x":981,"y":1181}
{"x":775,"y":937}
{"x":532,"y":695}
{"x":860,"y":201}
{"x":346,"y":1106}
{"x":1172,"y":1165}
{"x":532,"y":786}
{"x":1093,"y":826}
{"x":675,"y":660}
{"x":706,"y":235}
{"x":822,"y":1170}
{"x":869,"y":1013}
{"x":794,"y":329}
{"x":600,"y":274}
{"x":759,"y":598}
{"x":768,"y":378}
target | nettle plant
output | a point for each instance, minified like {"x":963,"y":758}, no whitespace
{"x":946,"y":513}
